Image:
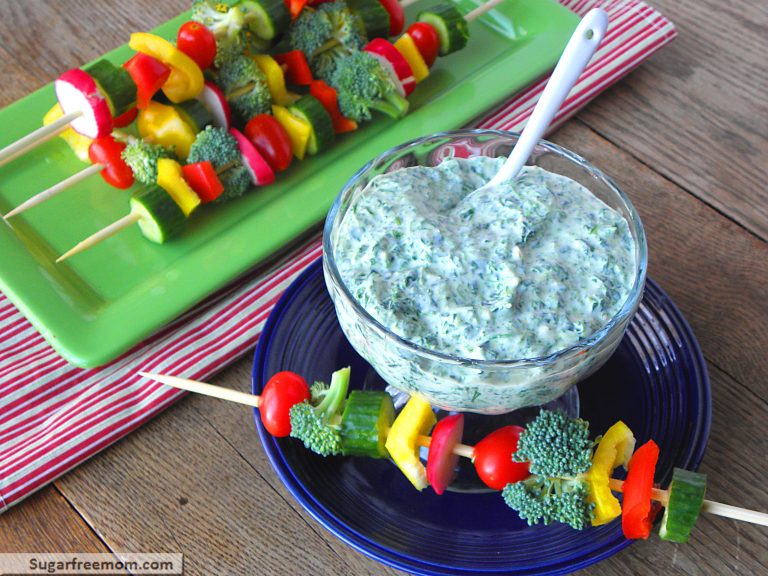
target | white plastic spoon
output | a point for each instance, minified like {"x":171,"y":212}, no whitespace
{"x":582,"y":45}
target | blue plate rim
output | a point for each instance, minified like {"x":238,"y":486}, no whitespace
{"x":391,"y":558}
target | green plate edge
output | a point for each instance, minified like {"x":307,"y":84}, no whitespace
{"x":99,"y":304}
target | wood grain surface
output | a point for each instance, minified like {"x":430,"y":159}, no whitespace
{"x":685,"y":135}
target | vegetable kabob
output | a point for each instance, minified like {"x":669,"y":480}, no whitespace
{"x":548,"y":471}
{"x":310,"y":122}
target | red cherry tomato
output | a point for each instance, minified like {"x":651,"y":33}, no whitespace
{"x":282,"y":391}
{"x":396,"y":16}
{"x":108,"y":152}
{"x":427,"y":41}
{"x":493,"y":458}
{"x":197,"y":42}
{"x":271,"y":140}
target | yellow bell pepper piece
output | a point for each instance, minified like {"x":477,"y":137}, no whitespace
{"x":275,"y":79}
{"x":407,"y":47}
{"x":171,"y":179}
{"x":298,"y":130}
{"x":161,"y":124}
{"x":186,"y":80}
{"x":615,"y":449}
{"x":416,"y":419}
{"x":77,"y":142}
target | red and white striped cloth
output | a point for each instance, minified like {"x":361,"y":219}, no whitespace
{"x":54,"y":416}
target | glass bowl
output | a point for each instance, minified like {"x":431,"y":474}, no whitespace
{"x":470,"y":385}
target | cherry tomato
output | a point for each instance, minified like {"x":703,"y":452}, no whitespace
{"x":108,"y":152}
{"x":396,"y":16}
{"x":493,"y":458}
{"x":282,"y":391}
{"x":197,"y":42}
{"x":271,"y":140}
{"x":427,"y":41}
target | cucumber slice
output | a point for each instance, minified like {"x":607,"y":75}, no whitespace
{"x":194,"y":113}
{"x":309,"y":109}
{"x":450,"y":25}
{"x":116,"y":84}
{"x":265,"y":18}
{"x":160,"y":217}
{"x":686,"y":495}
{"x":374,"y":17}
{"x":367,"y":418}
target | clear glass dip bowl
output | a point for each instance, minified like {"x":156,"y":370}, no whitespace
{"x":450,"y":382}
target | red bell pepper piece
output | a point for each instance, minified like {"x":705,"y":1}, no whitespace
{"x":202,"y":178}
{"x":295,"y":7}
{"x":329,"y":99}
{"x":295,"y":67}
{"x":126,"y":118}
{"x":108,"y":152}
{"x":637,"y":513}
{"x":149,"y":75}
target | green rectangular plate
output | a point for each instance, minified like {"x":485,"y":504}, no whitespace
{"x":98,"y":304}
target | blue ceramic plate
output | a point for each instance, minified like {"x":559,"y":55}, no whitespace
{"x":656,"y":382}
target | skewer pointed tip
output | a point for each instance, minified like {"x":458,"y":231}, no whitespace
{"x":101,"y":235}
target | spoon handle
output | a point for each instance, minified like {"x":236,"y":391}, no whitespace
{"x":582,"y":45}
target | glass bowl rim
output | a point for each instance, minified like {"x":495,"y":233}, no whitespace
{"x":627,"y":308}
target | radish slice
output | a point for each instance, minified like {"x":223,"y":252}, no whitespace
{"x":394,"y":62}
{"x":261,"y":172}
{"x":216,"y":103}
{"x":441,"y":462}
{"x":77,"y":91}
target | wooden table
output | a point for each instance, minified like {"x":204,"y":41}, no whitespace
{"x":686,"y":136}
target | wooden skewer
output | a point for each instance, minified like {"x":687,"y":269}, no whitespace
{"x":464,"y":450}
{"x":725,"y":510}
{"x":101,"y":235}
{"x":480,"y":10}
{"x":38,"y":137}
{"x":56,"y":189}
{"x":205,"y":389}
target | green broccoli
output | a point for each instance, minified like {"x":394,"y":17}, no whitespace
{"x":311,"y":30}
{"x":327,"y":35}
{"x":142,"y":157}
{"x":559,"y":452}
{"x":226,"y":22}
{"x":245,"y":88}
{"x":317,"y":423}
{"x":540,"y":499}
{"x":555,"y":445}
{"x":363,"y":85}
{"x":218,"y":147}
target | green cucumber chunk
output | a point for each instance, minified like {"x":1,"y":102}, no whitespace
{"x":265,"y":18}
{"x":309,"y":109}
{"x":160,"y":218}
{"x":686,"y":495}
{"x":365,"y":423}
{"x":374,"y":17}
{"x":450,"y":26}
{"x":195,"y":114}
{"x":116,"y":85}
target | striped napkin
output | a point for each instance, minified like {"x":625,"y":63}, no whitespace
{"x":55,"y":416}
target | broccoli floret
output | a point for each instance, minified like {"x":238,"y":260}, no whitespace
{"x":539,"y":499}
{"x":559,"y":452}
{"x":226,"y":22}
{"x":311,"y":30}
{"x":245,"y":88}
{"x":220,"y":148}
{"x":555,"y":445}
{"x":346,"y":27}
{"x":142,"y":157}
{"x":317,"y":424}
{"x":364,"y":85}
{"x":327,"y":35}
